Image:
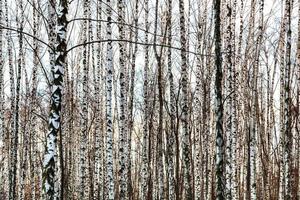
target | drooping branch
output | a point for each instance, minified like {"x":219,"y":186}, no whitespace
{"x":25,"y":33}
{"x":138,"y":43}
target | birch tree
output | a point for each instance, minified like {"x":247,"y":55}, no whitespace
{"x":229,"y":100}
{"x":109,"y":128}
{"x":57,"y":72}
{"x":98,"y":184}
{"x":123,"y":145}
{"x":15,"y":136}
{"x":84,"y":115}
{"x":145,"y":159}
{"x":171,"y":134}
{"x":12,"y":169}
{"x":35,"y":174}
{"x":185,"y":126}
{"x":219,"y":105}
{"x":287,"y":116}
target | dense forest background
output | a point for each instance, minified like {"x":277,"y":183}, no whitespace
{"x":149,"y":99}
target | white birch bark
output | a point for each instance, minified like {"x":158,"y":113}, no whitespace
{"x":287,"y":101}
{"x":35,"y":172}
{"x":145,"y":148}
{"x":12,"y":103}
{"x":109,"y":125}
{"x":228,"y":101}
{"x":57,"y":72}
{"x":187,"y":192}
{"x":83,"y":186}
{"x":199,"y":163}
{"x":253,"y":117}
{"x":123,"y":141}
{"x":234,"y":181}
{"x":159,"y":170}
{"x":16,"y":121}
{"x":98,"y":180}
{"x":171,"y":137}
{"x":282,"y":116}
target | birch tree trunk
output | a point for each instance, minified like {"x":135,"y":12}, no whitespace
{"x":219,"y":105}
{"x":123,"y":145}
{"x":109,"y":126}
{"x":35,"y":174}
{"x":253,"y":110}
{"x":199,"y":163}
{"x":98,"y":178}
{"x":171,"y":136}
{"x":84,"y":112}
{"x":187,"y":180}
{"x":287,"y":102}
{"x":15,"y":136}
{"x":57,"y":72}
{"x":234,"y":183}
{"x":11,"y":178}
{"x":159,"y":147}
{"x":228,"y":101}
{"x":145,"y":187}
